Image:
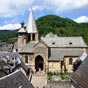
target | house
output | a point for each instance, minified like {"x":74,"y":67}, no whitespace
{"x":50,"y":53}
{"x":3,"y":72}
{"x":80,"y":77}
{"x":15,"y":47}
{"x":15,"y":80}
{"x":6,"y":47}
{"x":22,"y":67}
{"x":10,"y":62}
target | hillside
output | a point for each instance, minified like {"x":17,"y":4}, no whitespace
{"x":8,"y":36}
{"x":62,"y":27}
{"x":55,"y":24}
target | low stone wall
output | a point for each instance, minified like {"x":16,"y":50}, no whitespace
{"x":61,"y":84}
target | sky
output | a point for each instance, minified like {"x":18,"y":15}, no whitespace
{"x":12,"y":12}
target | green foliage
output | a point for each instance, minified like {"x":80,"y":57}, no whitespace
{"x":62,"y":75}
{"x":51,"y":23}
{"x":8,"y":36}
{"x":62,"y":27}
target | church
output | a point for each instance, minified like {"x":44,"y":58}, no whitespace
{"x":50,"y":53}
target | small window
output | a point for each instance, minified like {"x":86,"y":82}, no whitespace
{"x":70,"y":43}
{"x":70,"y":61}
{"x":12,"y":58}
{"x":16,"y":50}
{"x":33,"y":36}
{"x":26,"y":59}
{"x":29,"y":37}
{"x":53,"y":43}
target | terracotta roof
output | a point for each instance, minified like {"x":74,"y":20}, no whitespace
{"x":15,"y":80}
{"x":81,"y":75}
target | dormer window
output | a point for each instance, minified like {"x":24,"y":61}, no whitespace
{"x":53,"y":43}
{"x":70,"y":43}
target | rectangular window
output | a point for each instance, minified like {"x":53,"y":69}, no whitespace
{"x":26,"y":59}
{"x":70,"y":61}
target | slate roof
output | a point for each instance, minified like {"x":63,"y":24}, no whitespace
{"x":6,"y":64}
{"x":22,"y":30}
{"x":20,"y":63}
{"x":81,"y":75}
{"x":64,"y":41}
{"x":31,"y":26}
{"x":3,"y":63}
{"x":10,"y":54}
{"x":28,"y":48}
{"x":7,"y":47}
{"x":15,"y":80}
{"x":59,"y":54}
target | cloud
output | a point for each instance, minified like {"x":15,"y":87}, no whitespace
{"x":60,"y":6}
{"x":82,"y":19}
{"x":10,"y":26}
{"x":38,"y":8}
{"x":10,"y":8}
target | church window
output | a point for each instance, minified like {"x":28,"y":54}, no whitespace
{"x":33,"y":36}
{"x":29,"y":37}
{"x":70,"y":61}
{"x":26,"y":59}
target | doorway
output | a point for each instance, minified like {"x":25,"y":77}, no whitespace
{"x":39,"y":63}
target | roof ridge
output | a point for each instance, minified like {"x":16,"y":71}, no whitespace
{"x":10,"y":74}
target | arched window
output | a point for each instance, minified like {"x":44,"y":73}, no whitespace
{"x":33,"y":36}
{"x":26,"y":59}
{"x":29,"y":37}
{"x":70,"y":61}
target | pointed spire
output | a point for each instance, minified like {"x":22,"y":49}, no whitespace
{"x":31,"y":26}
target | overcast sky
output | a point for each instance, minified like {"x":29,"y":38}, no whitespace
{"x":12,"y":12}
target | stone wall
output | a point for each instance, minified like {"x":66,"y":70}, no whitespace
{"x":54,"y":66}
{"x":69,"y":67}
{"x":61,"y":84}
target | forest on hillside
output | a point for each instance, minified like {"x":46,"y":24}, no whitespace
{"x":55,"y":24}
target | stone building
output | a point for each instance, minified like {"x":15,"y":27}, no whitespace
{"x":10,"y":62}
{"x":50,"y":53}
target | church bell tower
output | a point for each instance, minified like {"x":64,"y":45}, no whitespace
{"x":22,"y":36}
{"x":32,"y":32}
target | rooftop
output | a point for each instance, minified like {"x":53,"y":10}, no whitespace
{"x":15,"y":80}
{"x":81,"y":75}
{"x":55,"y":41}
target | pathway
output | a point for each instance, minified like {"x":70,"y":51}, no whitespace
{"x":39,"y":80}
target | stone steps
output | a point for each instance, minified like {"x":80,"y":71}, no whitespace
{"x":39,"y":80}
